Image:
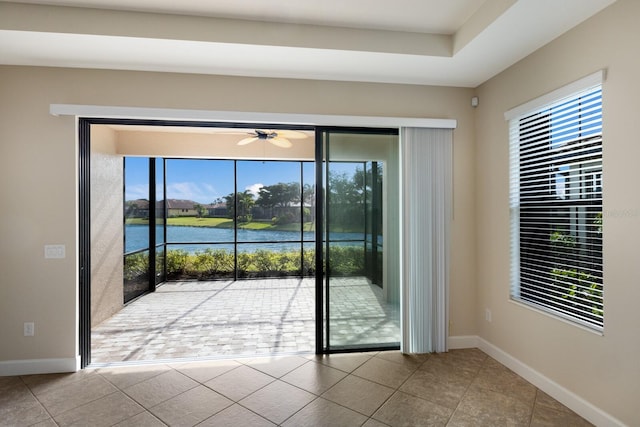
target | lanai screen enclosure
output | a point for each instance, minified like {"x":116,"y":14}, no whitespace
{"x":198,"y":207}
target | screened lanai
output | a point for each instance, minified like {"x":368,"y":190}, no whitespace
{"x":219,"y":240}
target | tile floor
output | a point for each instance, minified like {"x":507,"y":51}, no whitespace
{"x":242,"y":318}
{"x":459,"y":388}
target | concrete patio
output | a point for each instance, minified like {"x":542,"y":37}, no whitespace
{"x":188,"y":320}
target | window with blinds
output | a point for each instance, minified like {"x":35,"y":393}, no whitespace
{"x":556,"y":206}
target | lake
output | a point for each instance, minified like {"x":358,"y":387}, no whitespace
{"x":137,"y":237}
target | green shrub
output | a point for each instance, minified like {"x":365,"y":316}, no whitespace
{"x":579,"y":288}
{"x":136,"y":266}
{"x":211,"y":263}
{"x":219,"y":263}
{"x":265,"y":261}
{"x":309,"y":263}
{"x":286,"y":218}
{"x":347,"y":260}
{"x":176,"y":262}
{"x":289,"y":263}
{"x":245,"y":263}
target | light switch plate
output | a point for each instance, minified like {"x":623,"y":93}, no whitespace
{"x":54,"y":251}
{"x":29,"y":329}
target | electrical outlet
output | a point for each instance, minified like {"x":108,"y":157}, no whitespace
{"x":487,"y":315}
{"x":29,"y":329}
{"x":54,"y":251}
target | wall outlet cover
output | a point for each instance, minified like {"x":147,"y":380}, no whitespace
{"x":54,"y":251}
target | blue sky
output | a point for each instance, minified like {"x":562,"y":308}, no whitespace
{"x":204,"y":181}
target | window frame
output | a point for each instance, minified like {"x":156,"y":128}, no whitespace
{"x":558,"y":200}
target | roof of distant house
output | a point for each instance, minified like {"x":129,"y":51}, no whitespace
{"x":180,"y":204}
{"x":139,"y":203}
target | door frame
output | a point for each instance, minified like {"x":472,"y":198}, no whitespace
{"x":84,"y":205}
{"x":323,"y":309}
{"x":84,"y":123}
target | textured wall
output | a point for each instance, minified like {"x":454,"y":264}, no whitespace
{"x":106,"y":226}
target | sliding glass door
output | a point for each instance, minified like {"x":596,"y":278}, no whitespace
{"x":360,"y":300}
{"x":138,"y":239}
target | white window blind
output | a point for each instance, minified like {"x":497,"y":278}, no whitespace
{"x":556,"y":206}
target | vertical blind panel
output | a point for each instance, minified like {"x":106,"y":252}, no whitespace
{"x":556,"y":207}
{"x":426,"y":161}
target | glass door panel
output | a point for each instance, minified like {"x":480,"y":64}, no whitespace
{"x":160,"y":272}
{"x":361,"y":239}
{"x":136,"y":227}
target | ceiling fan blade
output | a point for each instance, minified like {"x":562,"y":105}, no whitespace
{"x":246,"y":141}
{"x":235,"y":133}
{"x":280,"y":142}
{"x":291,"y":134}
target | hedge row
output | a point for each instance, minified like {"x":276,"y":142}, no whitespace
{"x":219,"y":263}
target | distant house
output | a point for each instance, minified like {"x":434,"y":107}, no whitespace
{"x":176,"y":207}
{"x":217,"y":210}
{"x":136,"y":208}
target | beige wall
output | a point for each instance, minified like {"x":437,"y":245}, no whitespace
{"x":106,"y":225}
{"x":38,"y":170}
{"x":604,"y":370}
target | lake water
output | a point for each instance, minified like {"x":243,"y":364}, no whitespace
{"x":137,"y":237}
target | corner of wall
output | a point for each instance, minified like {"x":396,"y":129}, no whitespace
{"x":571,"y":400}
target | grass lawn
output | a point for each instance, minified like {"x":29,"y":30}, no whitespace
{"x":190,"y":221}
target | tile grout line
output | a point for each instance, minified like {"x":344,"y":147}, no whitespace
{"x":38,"y":400}
{"x":475,"y":377}
{"x":79,"y":406}
{"x":533,"y":409}
{"x":481,"y":370}
{"x":395,"y":390}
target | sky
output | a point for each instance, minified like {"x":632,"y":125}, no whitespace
{"x":204,"y":181}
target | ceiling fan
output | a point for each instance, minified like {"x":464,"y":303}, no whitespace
{"x":278,"y":138}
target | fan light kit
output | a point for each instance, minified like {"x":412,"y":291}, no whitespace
{"x":278,"y":138}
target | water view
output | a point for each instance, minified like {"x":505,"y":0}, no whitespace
{"x":137,"y":237}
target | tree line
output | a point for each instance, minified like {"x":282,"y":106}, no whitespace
{"x":349,"y":198}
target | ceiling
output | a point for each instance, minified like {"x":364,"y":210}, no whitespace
{"x":428,"y":42}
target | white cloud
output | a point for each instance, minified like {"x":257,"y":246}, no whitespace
{"x":137,"y":191}
{"x":202,"y":192}
{"x":254,"y":189}
{"x":198,"y":192}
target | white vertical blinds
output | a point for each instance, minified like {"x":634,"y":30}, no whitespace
{"x":427,"y":187}
{"x":556,"y":206}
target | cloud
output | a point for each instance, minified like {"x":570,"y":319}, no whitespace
{"x":137,"y":191}
{"x":255,"y":188}
{"x":198,"y":192}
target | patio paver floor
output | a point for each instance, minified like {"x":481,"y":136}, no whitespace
{"x":241,"y":318}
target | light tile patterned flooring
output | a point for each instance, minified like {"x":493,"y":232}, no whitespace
{"x":459,"y":388}
{"x":249,"y":317}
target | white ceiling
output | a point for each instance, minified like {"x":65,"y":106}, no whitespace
{"x":434,"y":42}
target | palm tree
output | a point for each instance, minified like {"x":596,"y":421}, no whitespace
{"x":200,"y":210}
{"x":245,"y":201}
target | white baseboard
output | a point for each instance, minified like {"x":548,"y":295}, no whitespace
{"x":39,"y":366}
{"x":571,"y":400}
